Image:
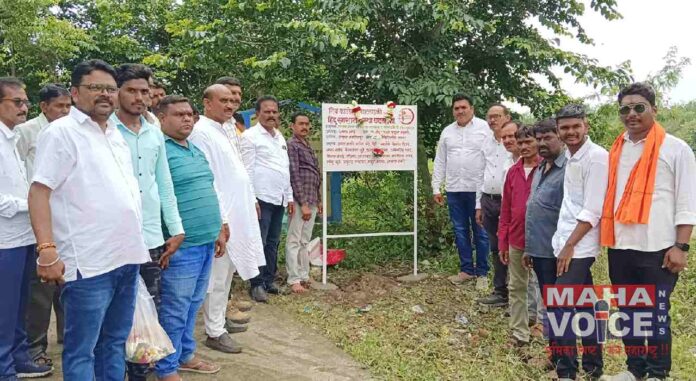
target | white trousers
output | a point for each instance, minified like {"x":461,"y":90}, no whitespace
{"x":215,"y":304}
{"x":296,"y":254}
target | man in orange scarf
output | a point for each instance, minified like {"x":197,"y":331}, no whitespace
{"x":648,"y":216}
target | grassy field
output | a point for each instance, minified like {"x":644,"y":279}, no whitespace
{"x":372,"y":318}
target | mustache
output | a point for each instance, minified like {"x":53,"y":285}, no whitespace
{"x":104,"y":99}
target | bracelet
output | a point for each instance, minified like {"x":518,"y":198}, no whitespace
{"x":47,"y":245}
{"x":47,"y":265}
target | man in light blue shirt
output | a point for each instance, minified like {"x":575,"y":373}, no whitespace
{"x":150,"y":167}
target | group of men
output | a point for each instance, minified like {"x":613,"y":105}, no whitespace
{"x":545,"y":199}
{"x":116,"y":181}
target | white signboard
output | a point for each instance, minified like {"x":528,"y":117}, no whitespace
{"x":369,"y":137}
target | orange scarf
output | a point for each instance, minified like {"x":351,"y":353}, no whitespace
{"x":636,"y":200}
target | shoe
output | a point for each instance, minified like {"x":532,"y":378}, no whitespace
{"x":537,"y":331}
{"x":273,"y":289}
{"x":238,"y":317}
{"x":258,"y":294}
{"x":623,"y":376}
{"x":243,"y":305}
{"x":31,"y":369}
{"x":461,"y":278}
{"x":232,"y":327}
{"x":42,"y":358}
{"x":482,"y":283}
{"x":224,"y":343}
{"x":493,"y":300}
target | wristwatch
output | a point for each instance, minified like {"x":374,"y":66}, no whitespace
{"x":682,"y":246}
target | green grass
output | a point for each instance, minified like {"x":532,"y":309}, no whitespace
{"x":398,"y":344}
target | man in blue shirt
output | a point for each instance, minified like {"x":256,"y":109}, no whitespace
{"x":150,"y":167}
{"x":186,"y":272}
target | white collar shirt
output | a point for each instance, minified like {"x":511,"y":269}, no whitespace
{"x":674,"y":196}
{"x":15,"y":228}
{"x":267,"y":162}
{"x":584,"y":187}
{"x":459,"y":161}
{"x":95,"y":203}
{"x":496,"y":158}
{"x":28,"y":135}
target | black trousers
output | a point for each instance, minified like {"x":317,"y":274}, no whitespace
{"x":152,"y":276}
{"x":271,"y":223}
{"x":43,"y":298}
{"x":563,"y":347}
{"x":490,"y":208}
{"x":645,"y":268}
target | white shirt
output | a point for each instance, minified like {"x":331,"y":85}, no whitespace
{"x":584,"y":188}
{"x":15,"y":228}
{"x":266,"y":160}
{"x":495,"y":157}
{"x":235,"y":194}
{"x":95,"y":203}
{"x":459,"y":161}
{"x":674,"y":196}
{"x":28,"y":135}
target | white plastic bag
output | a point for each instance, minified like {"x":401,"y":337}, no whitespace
{"x":147,"y":341}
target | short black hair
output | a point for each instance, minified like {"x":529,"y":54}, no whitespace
{"x":157,"y":84}
{"x":86,"y":67}
{"x":265,"y":98}
{"x":506,"y":111}
{"x":164,"y":103}
{"x":130,"y":71}
{"x":462,"y":97}
{"x":51,"y":91}
{"x":573,"y":110}
{"x":513,"y":122}
{"x":545,"y":125}
{"x":296,"y":114}
{"x":643,"y":89}
{"x":525,"y":132}
{"x":238,"y":118}
{"x":229,"y":81}
{"x":12,"y":82}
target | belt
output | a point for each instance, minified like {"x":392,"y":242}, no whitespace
{"x":496,"y":197}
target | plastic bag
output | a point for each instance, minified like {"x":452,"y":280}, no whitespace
{"x":147,"y":342}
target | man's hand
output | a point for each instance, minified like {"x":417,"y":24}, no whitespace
{"x":320,"y":208}
{"x":291,"y":208}
{"x":564,"y":258}
{"x":504,"y":256}
{"x":527,"y":261}
{"x":439,"y":199}
{"x":170,"y":247}
{"x":221,"y":241}
{"x":53,"y":273}
{"x":258,"y":211}
{"x":675,"y":260}
{"x":479,"y":217}
{"x":306,"y":212}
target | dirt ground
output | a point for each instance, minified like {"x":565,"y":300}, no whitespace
{"x":276,"y":347}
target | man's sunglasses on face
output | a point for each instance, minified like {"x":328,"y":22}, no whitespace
{"x":638,"y":108}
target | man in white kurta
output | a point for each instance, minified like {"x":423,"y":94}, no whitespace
{"x":238,"y":210}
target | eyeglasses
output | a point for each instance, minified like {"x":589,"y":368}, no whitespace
{"x":18,"y":102}
{"x":94,"y":88}
{"x":638,"y":108}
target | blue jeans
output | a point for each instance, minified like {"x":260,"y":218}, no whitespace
{"x":16,"y":265}
{"x":271,"y":224}
{"x":183,"y":288}
{"x":462,"y":208}
{"x":98,"y":318}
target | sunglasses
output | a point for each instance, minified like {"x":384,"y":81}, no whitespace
{"x":638,"y":108}
{"x":18,"y":102}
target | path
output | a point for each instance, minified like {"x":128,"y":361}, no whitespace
{"x":275,"y":348}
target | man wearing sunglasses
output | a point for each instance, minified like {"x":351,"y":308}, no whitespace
{"x":17,"y":242}
{"x":647,"y":219}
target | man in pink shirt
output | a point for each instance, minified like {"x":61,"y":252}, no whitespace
{"x":511,"y":232}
